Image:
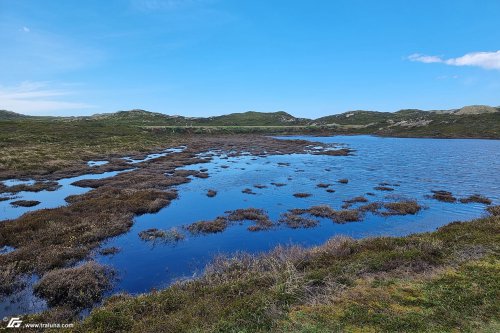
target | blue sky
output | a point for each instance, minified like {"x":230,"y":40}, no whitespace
{"x":210,"y":57}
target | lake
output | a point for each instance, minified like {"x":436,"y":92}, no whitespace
{"x":418,"y":166}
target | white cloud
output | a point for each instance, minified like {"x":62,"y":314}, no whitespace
{"x":425,"y":59}
{"x":37,"y":98}
{"x":486,"y":60}
{"x":26,"y":29}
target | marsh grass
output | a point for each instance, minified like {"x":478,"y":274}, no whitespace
{"x":404,"y":207}
{"x":383,"y":188}
{"x":302,"y":195}
{"x":296,"y":221}
{"x":211,"y":193}
{"x":476,"y":198}
{"x":77,"y":287}
{"x":343,"y":181}
{"x":443,"y":196}
{"x":25,"y":203}
{"x":348,"y":203}
{"x":158,"y":235}
{"x":384,"y":284}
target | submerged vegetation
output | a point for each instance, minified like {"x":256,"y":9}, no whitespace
{"x":447,"y":280}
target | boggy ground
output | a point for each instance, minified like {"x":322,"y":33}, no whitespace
{"x":443,"y":281}
{"x":50,"y":241}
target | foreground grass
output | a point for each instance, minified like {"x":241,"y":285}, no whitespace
{"x":444,"y":281}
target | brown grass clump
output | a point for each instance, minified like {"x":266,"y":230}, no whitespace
{"x":109,"y":251}
{"x":296,"y":221}
{"x":330,"y":190}
{"x":36,"y":187}
{"x":444,"y":196}
{"x":25,"y":203}
{"x":260,"y":186}
{"x":321,"y":211}
{"x":383,"y":188}
{"x":202,"y":175}
{"x":302,"y":195}
{"x":248,"y":191}
{"x":211,"y":193}
{"x":78,"y":287}
{"x":350,"y":202}
{"x":371,"y":207}
{"x":258,"y":216}
{"x":278,"y":184}
{"x":476,"y":198}
{"x":323,"y":185}
{"x":494,"y":210}
{"x":171,"y":235}
{"x":343,"y":181}
{"x":337,"y":216}
{"x":338,"y":152}
{"x":346,"y":215}
{"x":402,"y":208}
{"x":208,"y":227}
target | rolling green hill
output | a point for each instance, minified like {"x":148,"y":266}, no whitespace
{"x":470,"y":121}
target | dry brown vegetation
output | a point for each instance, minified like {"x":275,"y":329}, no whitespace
{"x":296,"y":221}
{"x":211,"y":193}
{"x":348,"y":203}
{"x":76,"y":287}
{"x":404,"y":207}
{"x":153,"y":234}
{"x":248,"y":191}
{"x":219,"y":224}
{"x":444,"y":196}
{"x":107,"y":251}
{"x":343,"y":181}
{"x":25,"y":203}
{"x":323,"y":185}
{"x":476,"y":198}
{"x":36,"y":187}
{"x":383,"y":188}
{"x":302,"y":195}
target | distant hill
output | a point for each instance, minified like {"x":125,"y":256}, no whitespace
{"x":4,"y":114}
{"x":469,"y":121}
{"x":476,"y":109}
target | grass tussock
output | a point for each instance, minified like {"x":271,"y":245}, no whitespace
{"x":416,"y":283}
{"x":302,"y":195}
{"x":25,"y":203}
{"x":296,"y":221}
{"x":208,"y":227}
{"x":337,"y":216}
{"x":476,"y":198}
{"x":78,"y":287}
{"x":109,"y":251}
{"x":443,"y":196}
{"x":211,"y":193}
{"x":348,"y":203}
{"x":248,"y":191}
{"x":167,"y":236}
{"x":343,"y":181}
{"x":323,"y":185}
{"x":383,"y":188}
{"x":404,"y":207}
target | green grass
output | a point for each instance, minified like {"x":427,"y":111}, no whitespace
{"x":444,"y":281}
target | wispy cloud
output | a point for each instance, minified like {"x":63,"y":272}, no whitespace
{"x":37,"y":98}
{"x":153,"y":5}
{"x":486,"y":60}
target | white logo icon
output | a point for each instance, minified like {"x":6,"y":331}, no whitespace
{"x":14,"y":322}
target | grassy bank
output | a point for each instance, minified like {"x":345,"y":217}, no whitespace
{"x":444,"y":281}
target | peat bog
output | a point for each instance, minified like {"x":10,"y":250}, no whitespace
{"x":297,"y":195}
